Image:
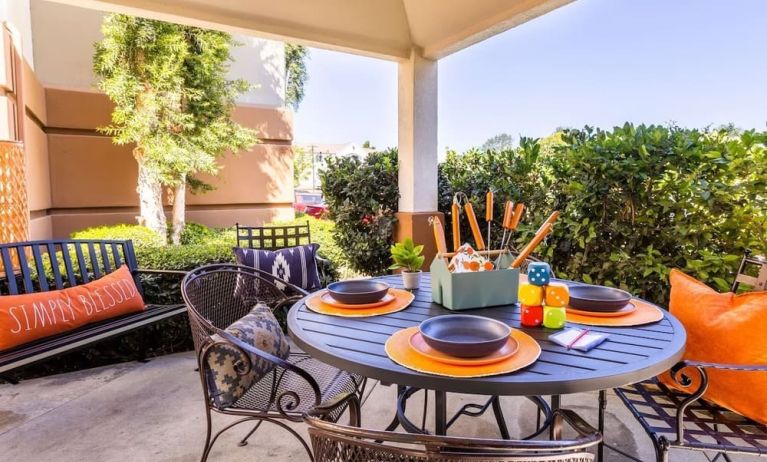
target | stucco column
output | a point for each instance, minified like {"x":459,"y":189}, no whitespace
{"x":417,"y":149}
{"x":417,"y":134}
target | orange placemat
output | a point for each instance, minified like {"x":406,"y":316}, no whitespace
{"x":399,"y":350}
{"x":402,"y":299}
{"x":645,"y":313}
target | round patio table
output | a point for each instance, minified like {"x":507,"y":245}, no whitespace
{"x":631,"y":354}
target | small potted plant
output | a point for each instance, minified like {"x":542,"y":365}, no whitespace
{"x":407,"y":257}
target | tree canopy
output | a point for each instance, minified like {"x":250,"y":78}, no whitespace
{"x":499,"y":142}
{"x":295,"y":74}
{"x":172,"y":98}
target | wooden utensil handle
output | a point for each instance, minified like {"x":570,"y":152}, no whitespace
{"x":508,"y":214}
{"x":489,"y":206}
{"x":530,"y":247}
{"x":439,"y":235}
{"x":456,"y":226}
{"x":474,"y":226}
{"x":518,"y":211}
{"x":551,"y":220}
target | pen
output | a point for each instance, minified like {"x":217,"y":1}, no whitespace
{"x":578,"y":337}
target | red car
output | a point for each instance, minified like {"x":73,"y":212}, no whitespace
{"x":310,"y":203}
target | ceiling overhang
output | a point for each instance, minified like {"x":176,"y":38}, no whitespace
{"x":387,"y":29}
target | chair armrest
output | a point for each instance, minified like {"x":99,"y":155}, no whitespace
{"x":293,"y":397}
{"x":288,"y":302}
{"x":585,"y":430}
{"x":322,"y":260}
{"x":324,"y":268}
{"x":683,"y":379}
{"x":722,"y":366}
{"x":323,"y":410}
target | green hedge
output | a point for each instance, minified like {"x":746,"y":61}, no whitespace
{"x":140,"y":235}
{"x":636,"y":201}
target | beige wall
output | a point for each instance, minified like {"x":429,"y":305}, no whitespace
{"x":93,"y":182}
{"x":36,"y":151}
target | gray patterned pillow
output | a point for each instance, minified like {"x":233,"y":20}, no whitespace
{"x":226,"y":381}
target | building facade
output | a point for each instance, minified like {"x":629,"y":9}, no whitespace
{"x":76,"y":177}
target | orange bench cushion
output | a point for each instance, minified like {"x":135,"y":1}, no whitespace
{"x":28,"y":317}
{"x":724,"y":328}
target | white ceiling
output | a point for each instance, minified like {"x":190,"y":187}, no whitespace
{"x":382,"y":28}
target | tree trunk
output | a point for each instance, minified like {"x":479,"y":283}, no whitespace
{"x":150,"y":198}
{"x":179,"y":208}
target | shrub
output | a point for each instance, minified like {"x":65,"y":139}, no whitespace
{"x":362,"y":196}
{"x":140,"y":235}
{"x":195,"y":233}
{"x":638,"y":201}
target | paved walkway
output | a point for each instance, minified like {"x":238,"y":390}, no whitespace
{"x":153,"y":412}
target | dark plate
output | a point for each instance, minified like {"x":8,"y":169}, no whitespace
{"x":464,"y":335}
{"x":598,"y":298}
{"x":358,"y":292}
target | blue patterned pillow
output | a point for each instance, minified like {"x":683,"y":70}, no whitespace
{"x":297,"y":265}
{"x":227,"y":379}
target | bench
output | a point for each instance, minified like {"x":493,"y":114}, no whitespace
{"x":40,"y":266}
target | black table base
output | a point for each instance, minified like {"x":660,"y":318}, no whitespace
{"x":442,"y":424}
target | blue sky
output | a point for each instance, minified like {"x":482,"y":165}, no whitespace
{"x":595,"y":62}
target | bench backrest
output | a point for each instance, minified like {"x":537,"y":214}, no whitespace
{"x":273,"y":237}
{"x":40,"y":266}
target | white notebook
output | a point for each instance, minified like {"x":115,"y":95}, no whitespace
{"x":585,"y":343}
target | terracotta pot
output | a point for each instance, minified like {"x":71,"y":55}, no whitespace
{"x":411,"y":279}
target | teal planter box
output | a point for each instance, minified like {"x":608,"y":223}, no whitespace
{"x":464,"y":291}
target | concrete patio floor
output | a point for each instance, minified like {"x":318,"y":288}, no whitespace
{"x":153,"y":412}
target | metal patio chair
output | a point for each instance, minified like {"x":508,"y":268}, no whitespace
{"x":676,"y":420}
{"x":333,"y":442}
{"x":280,"y":237}
{"x":218,"y":295}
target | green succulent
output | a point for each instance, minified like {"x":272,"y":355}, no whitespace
{"x":406,"y":255}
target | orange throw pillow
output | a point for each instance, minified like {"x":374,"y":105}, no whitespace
{"x":723,"y":328}
{"x":28,"y":317}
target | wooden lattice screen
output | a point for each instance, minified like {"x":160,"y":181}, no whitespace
{"x":14,"y":208}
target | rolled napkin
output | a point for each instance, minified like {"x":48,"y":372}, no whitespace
{"x":466,"y":259}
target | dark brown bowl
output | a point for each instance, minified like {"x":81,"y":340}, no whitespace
{"x":598,"y":298}
{"x":358,"y":292}
{"x":464,"y":335}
